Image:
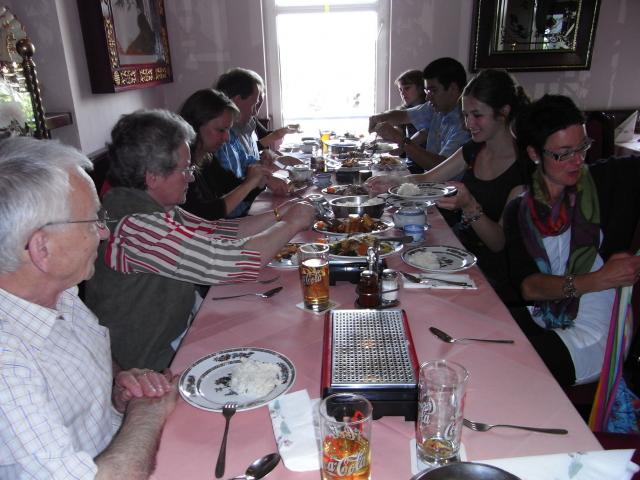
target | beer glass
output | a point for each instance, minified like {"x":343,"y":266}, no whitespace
{"x":313,"y":265}
{"x":325,"y":135}
{"x":345,"y":428}
{"x":440,"y":411}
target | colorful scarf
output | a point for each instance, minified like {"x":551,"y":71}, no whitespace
{"x":615,"y":407}
{"x":577,"y":208}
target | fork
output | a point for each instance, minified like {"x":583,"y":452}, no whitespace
{"x":483,"y":427}
{"x":267,"y":294}
{"x":264,"y":282}
{"x":424,"y":280}
{"x":228,"y":410}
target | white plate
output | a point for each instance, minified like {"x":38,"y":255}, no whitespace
{"x":389,"y":226}
{"x":402,"y":202}
{"x":451,"y":259}
{"x":428,"y":191}
{"x":205,"y":384}
{"x":397,"y":247}
{"x":286,"y":262}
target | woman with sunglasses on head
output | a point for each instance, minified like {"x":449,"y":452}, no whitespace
{"x":561,"y":236}
{"x":216,"y":192}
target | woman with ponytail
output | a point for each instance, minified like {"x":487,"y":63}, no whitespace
{"x":490,"y":171}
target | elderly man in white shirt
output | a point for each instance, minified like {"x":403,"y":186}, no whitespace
{"x":62,"y":412}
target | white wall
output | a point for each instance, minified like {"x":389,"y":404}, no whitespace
{"x":423,"y":30}
{"x":207,"y":38}
{"x":198,"y":35}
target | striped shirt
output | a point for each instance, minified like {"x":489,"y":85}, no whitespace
{"x":182,"y":246}
{"x":55,"y":389}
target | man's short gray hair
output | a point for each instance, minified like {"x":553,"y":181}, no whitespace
{"x":34,"y":190}
{"x":146,"y":141}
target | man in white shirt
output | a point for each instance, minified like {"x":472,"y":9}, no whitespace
{"x":62,"y":412}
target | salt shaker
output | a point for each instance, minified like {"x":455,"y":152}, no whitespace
{"x":389,"y":286}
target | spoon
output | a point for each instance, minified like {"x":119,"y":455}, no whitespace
{"x":448,"y":338}
{"x":260,"y":468}
{"x":267,"y":294}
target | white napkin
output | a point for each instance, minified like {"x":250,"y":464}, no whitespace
{"x":624,"y":132}
{"x":598,"y":465}
{"x":293,"y":426}
{"x":434,"y":283}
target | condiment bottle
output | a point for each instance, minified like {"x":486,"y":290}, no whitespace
{"x":368,"y":289}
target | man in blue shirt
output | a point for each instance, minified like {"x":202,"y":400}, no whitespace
{"x":245,"y":88}
{"x":440,"y":118}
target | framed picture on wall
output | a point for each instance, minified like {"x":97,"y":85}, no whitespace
{"x":126,"y":44}
{"x":523,"y":35}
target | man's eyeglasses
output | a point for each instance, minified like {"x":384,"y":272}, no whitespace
{"x":101,"y":222}
{"x":561,"y":157}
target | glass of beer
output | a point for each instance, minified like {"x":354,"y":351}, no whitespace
{"x":313,"y":265}
{"x":345,"y":428}
{"x":440,"y":411}
{"x":325,"y":135}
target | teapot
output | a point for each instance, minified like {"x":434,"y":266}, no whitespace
{"x":409,"y":213}
{"x":300,"y":173}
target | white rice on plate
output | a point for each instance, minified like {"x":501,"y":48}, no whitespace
{"x":253,"y":378}
{"x":408,"y":189}
{"x":427,"y":260}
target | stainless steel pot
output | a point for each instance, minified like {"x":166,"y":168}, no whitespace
{"x":341,"y":146}
{"x":345,"y":206}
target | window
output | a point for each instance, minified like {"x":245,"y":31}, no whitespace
{"x":327,"y":62}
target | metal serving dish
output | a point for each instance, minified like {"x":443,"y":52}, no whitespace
{"x":341,"y":146}
{"x":345,"y":206}
{"x":465,"y":471}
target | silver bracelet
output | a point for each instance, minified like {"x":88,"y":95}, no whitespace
{"x":569,"y":287}
{"x":474,"y":217}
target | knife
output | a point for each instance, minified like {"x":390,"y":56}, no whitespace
{"x":425,"y":280}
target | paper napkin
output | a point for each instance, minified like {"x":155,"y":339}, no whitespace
{"x":295,"y":431}
{"x":597,"y":465}
{"x":624,"y":132}
{"x":432,"y":281}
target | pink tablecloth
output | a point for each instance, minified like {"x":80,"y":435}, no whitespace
{"x":508,"y":383}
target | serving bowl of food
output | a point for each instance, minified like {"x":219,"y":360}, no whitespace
{"x":357,"y":205}
{"x":355,"y":247}
{"x":342,"y":227}
{"x":346,"y":190}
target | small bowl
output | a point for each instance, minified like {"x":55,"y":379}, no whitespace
{"x":353,"y":205}
{"x":322,"y":180}
{"x":300,"y":173}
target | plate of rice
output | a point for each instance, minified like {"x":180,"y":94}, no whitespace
{"x":250,"y":377}
{"x":422,"y":191}
{"x":439,"y":258}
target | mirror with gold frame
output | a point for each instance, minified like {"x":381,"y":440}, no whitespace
{"x":529,"y":35}
{"x":16,"y":109}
